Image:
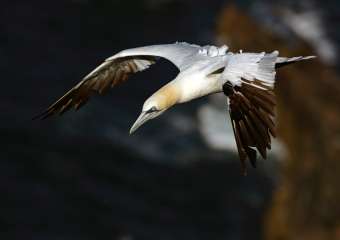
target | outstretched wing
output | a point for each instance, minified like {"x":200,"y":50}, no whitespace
{"x":117,"y":69}
{"x":249,"y":82}
{"x":251,"y":111}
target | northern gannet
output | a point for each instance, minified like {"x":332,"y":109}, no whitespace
{"x":247,"y":80}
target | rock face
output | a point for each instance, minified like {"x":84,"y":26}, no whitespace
{"x":306,"y":205}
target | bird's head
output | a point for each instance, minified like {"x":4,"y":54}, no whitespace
{"x":157,"y":104}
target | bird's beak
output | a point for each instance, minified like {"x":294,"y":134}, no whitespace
{"x":143,"y":118}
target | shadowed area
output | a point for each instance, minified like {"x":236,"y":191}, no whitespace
{"x":100,"y":190}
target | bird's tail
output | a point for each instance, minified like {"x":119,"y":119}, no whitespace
{"x":283,"y":61}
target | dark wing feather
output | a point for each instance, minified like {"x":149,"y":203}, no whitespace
{"x":251,"y":108}
{"x":108,"y":74}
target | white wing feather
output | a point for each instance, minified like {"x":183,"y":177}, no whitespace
{"x":177,"y":53}
{"x":250,"y":66}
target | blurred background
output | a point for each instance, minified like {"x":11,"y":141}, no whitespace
{"x":81,"y":176}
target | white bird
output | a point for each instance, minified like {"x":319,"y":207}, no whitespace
{"x":247,"y":79}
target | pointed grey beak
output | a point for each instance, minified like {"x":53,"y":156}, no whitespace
{"x":143,"y":117}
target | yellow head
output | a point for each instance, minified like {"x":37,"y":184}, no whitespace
{"x":158,"y":103}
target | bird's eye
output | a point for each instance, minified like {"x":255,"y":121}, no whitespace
{"x":151,"y":110}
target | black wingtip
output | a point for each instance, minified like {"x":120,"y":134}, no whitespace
{"x":294,"y":60}
{"x":42,"y":116}
{"x":252,"y":155}
{"x":38,"y":117}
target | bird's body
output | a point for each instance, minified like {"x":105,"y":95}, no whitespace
{"x":247,"y":79}
{"x":194,"y":84}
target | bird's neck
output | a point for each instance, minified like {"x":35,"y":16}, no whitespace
{"x":168,"y":95}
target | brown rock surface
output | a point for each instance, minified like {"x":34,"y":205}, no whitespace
{"x":306,"y":204}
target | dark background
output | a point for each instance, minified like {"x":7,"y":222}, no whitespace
{"x":81,"y":176}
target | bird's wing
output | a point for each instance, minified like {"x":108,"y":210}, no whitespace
{"x":117,"y":69}
{"x":249,"y":83}
{"x":178,"y":53}
{"x":251,"y":66}
{"x":251,"y":111}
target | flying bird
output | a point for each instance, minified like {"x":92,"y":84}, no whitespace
{"x":247,"y":80}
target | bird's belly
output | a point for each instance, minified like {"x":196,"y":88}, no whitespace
{"x":199,"y":87}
